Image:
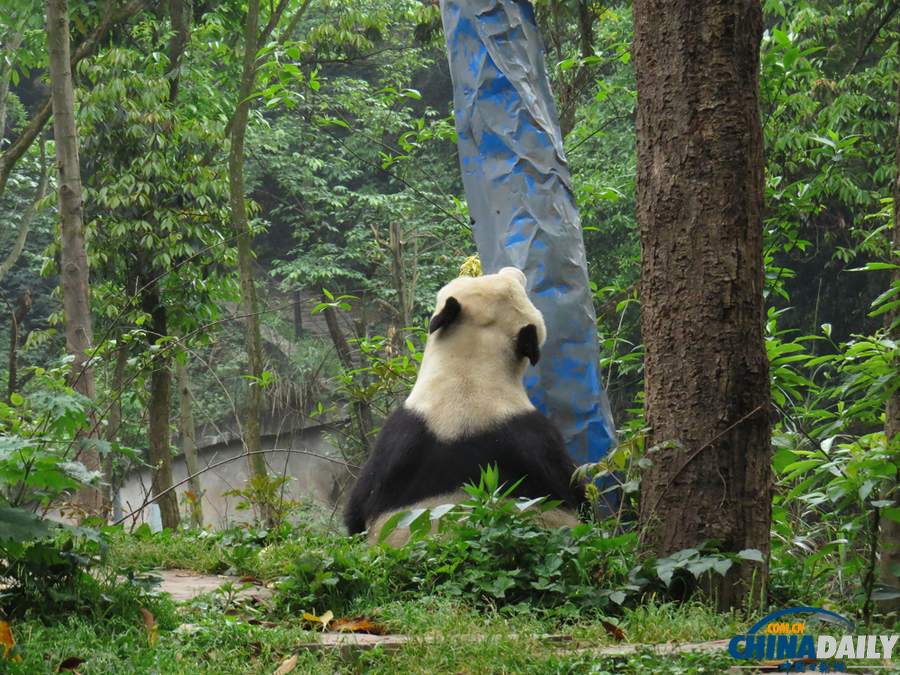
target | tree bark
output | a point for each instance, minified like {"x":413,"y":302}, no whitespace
{"x":19,"y":312}
{"x":188,"y":434}
{"x":298,"y":314}
{"x":114,"y":425}
{"x":180,"y":19}
{"x":404,"y":306}
{"x":571,"y":90}
{"x":240,"y":224}
{"x":361,"y":409}
{"x":74,"y":273}
{"x":159,"y":449}
{"x":699,"y":207}
{"x":889,"y":567}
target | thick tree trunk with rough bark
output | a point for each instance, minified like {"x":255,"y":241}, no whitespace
{"x":699,"y":204}
{"x":239,"y":221}
{"x":74,"y":271}
{"x":889,"y":571}
{"x":188,"y":434}
{"x":160,"y":450}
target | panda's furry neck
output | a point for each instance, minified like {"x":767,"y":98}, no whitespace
{"x":468,"y":383}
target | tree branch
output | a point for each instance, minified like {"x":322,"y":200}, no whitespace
{"x":27,"y":217}
{"x":15,"y":151}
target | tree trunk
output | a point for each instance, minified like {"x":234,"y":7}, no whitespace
{"x":73,"y":256}
{"x":361,"y":409}
{"x":19,"y":312}
{"x":572,"y":89}
{"x":159,"y":449}
{"x":395,"y":243}
{"x":239,"y":222}
{"x":188,"y":433}
{"x":889,"y":568}
{"x":298,"y":314}
{"x":180,"y":19}
{"x":114,"y":426}
{"x":699,"y":203}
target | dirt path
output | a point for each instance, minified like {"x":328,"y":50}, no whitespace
{"x":185,"y":585}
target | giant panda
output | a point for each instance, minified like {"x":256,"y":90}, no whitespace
{"x":468,"y":409}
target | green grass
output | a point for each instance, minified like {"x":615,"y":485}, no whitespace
{"x":450,"y":631}
{"x":166,"y":550}
{"x":449,"y":637}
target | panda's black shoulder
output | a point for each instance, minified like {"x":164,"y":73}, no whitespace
{"x":403,"y":423}
{"x":533,"y":432}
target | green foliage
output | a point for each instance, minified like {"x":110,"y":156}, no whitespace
{"x":42,"y":432}
{"x":492,"y":549}
{"x":265,"y":494}
{"x":157,"y":193}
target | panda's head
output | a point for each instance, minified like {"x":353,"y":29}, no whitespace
{"x":488,"y":317}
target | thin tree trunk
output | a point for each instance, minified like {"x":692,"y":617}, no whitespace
{"x":239,"y":222}
{"x":160,"y":449}
{"x":699,"y":207}
{"x":571,"y":91}
{"x":27,"y":217}
{"x":889,"y":568}
{"x":19,"y":312}
{"x":395,"y":243}
{"x":237,"y":130}
{"x":74,"y":270}
{"x":361,"y":409}
{"x":114,"y":424}
{"x":180,"y":18}
{"x":188,"y":434}
{"x":298,"y":314}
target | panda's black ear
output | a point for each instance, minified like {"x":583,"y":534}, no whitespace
{"x":446,"y":316}
{"x":527,"y":344}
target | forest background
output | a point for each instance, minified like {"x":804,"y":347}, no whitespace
{"x":337,"y":127}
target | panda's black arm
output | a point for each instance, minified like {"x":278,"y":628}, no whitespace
{"x":547,"y":462}
{"x":355,"y":513}
{"x":389,"y":460}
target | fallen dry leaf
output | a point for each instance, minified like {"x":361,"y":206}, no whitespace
{"x":70,"y":664}
{"x":7,"y":643}
{"x":358,"y":624}
{"x":324,"y":619}
{"x":614,"y":631}
{"x":151,"y":626}
{"x":6,"y":638}
{"x":287,"y":666}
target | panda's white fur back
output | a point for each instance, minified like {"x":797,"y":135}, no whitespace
{"x":466,"y":384}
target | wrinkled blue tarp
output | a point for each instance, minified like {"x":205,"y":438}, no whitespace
{"x":520,"y":198}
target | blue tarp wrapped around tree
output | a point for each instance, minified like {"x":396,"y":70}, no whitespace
{"x":521,"y":202}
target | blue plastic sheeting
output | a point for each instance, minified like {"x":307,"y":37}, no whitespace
{"x":520,"y":198}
